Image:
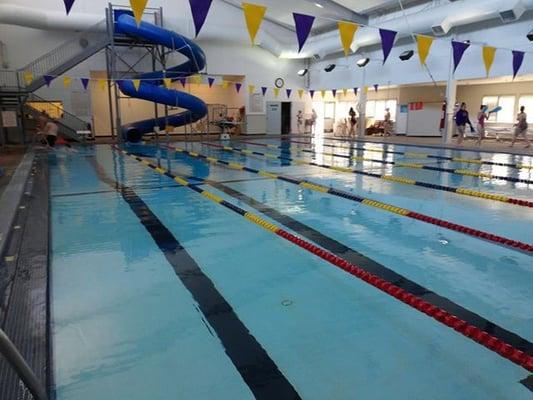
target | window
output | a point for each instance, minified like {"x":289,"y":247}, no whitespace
{"x":329,"y":110}
{"x":507,"y":103}
{"x":376,"y":109}
{"x":527,"y":102}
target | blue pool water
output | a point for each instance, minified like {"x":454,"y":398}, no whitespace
{"x":125,"y":326}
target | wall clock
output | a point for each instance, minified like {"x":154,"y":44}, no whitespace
{"x":279,"y":83}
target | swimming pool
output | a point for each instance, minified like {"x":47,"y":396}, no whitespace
{"x":160,"y":291}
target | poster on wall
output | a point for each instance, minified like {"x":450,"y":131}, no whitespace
{"x":257,"y":104}
{"x":81,"y":104}
{"x":9,"y":119}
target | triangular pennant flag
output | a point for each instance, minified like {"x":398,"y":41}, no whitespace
{"x":85,"y":82}
{"x":253,"y":14}
{"x":264,"y":90}
{"x":276,"y":92}
{"x":238,"y":87}
{"x":28,"y":77}
{"x":459,"y":49}
{"x":323,"y":93}
{"x":301,"y":93}
{"x":289,"y":91}
{"x":138,"y":7}
{"x":210,"y":81}
{"x":136,"y":84}
{"x":387,"y":41}
{"x":518,"y":58}
{"x":48,"y":79}
{"x":199,"y":10}
{"x":251,"y":89}
{"x":67,"y":81}
{"x":334,"y":92}
{"x":183,"y":81}
{"x":312,"y":93}
{"x":225,"y":84}
{"x":355,"y":90}
{"x":365,"y":89}
{"x":68,"y":5}
{"x":345,"y":92}
{"x":167,"y":82}
{"x":347,"y":32}
{"x":197,"y":79}
{"x":102,"y":83}
{"x":488,"y":57}
{"x":424,"y":44}
{"x":303,"y":24}
{"x":376,"y":86}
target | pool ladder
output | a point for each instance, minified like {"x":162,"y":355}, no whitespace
{"x":15,"y":359}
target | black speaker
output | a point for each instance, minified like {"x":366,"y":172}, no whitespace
{"x":406,"y":55}
{"x":530,"y":36}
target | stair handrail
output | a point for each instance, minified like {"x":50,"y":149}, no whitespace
{"x":36,"y":98}
{"x":95,"y":35}
{"x":9,"y":80}
{"x":21,"y":367}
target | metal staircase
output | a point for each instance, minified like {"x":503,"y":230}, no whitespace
{"x":14,"y":91}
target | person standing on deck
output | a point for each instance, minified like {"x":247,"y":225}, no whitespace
{"x":461,"y":119}
{"x":481,"y":118}
{"x":521,"y":127}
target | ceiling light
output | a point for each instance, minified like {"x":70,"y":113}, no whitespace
{"x":406,"y":55}
{"x":303,"y":72}
{"x":362,"y":62}
{"x":319,"y":5}
{"x":330,"y":68}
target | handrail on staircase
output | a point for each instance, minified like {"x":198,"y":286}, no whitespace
{"x":21,"y":367}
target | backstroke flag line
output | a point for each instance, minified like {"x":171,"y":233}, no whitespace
{"x":253,"y":14}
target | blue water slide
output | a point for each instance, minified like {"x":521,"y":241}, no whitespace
{"x":152,"y":89}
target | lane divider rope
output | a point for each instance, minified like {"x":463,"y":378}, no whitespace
{"x":401,"y":164}
{"x":392,"y":178}
{"x":412,"y":154}
{"x":446,"y":318}
{"x":506,"y":242}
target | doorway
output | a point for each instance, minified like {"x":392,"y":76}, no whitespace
{"x":286,"y":118}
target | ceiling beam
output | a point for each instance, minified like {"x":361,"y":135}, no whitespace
{"x":341,"y":11}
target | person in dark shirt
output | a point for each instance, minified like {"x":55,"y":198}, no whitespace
{"x":461,"y":119}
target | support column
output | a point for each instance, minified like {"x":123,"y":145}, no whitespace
{"x":451,"y":96}
{"x":361,"y":107}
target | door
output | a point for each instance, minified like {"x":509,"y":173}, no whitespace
{"x":286,"y":118}
{"x":273,"y":118}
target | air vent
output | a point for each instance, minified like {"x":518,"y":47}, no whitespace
{"x":438,"y":30}
{"x":512,"y":14}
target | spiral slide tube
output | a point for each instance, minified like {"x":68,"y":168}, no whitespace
{"x":151,"y":85}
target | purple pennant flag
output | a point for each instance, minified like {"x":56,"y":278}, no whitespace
{"x":68,"y":4}
{"x":210,"y":81}
{"x":459,"y":49}
{"x":355,"y":90}
{"x":85,"y":82}
{"x":334,"y":92}
{"x":264,"y":90}
{"x":199,"y":10}
{"x":183,"y":81}
{"x":238,"y":87}
{"x":518,"y":58}
{"x":312,"y":93}
{"x":376,"y":87}
{"x":289,"y":91}
{"x":387,"y":41}
{"x":48,"y":79}
{"x":303,"y":24}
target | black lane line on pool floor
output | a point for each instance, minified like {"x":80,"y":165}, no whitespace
{"x":383,"y":272}
{"x":257,"y":369}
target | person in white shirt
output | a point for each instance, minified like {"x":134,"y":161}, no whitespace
{"x":521,"y":127}
{"x":51,"y":130}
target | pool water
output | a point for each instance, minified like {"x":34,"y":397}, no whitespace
{"x":131,"y":321}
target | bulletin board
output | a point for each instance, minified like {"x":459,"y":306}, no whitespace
{"x":423,"y":119}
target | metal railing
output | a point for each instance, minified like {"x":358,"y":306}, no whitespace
{"x":9,"y":80}
{"x":21,"y":367}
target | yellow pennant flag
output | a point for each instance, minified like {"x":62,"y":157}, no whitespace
{"x":323,"y":93}
{"x":424,"y":44}
{"x":347,"y":32}
{"x":345,"y":92}
{"x":366,"y":89}
{"x":102,"y":83}
{"x":276,"y":92}
{"x":488,"y":57}
{"x":67,"y":81}
{"x":196,"y":79}
{"x":28,"y":77}
{"x":138,"y":7}
{"x":225,"y":84}
{"x":167,"y":82}
{"x":301,"y":93}
{"x":136,"y":84}
{"x":251,"y":89}
{"x":253,"y":14}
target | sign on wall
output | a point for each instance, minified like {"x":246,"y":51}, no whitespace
{"x":257,"y":104}
{"x":9,"y":119}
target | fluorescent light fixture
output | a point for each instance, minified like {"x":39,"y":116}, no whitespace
{"x":330,"y":68}
{"x":303,"y":72}
{"x":319,"y":5}
{"x":362,"y":62}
